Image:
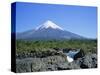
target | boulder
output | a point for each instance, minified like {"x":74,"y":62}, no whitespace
{"x":88,"y":61}
{"x":80,"y":54}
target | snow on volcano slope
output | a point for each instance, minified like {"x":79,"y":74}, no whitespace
{"x":48,"y":31}
{"x":49,"y":24}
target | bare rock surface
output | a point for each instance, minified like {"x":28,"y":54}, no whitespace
{"x":54,"y":61}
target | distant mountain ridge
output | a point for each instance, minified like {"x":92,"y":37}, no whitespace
{"x":48,"y":31}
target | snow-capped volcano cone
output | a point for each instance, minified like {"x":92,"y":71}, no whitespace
{"x":48,"y":24}
{"x":48,"y":31}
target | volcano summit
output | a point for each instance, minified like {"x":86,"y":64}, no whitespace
{"x":47,"y":31}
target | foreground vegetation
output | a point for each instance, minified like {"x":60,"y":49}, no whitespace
{"x":35,"y":56}
{"x":38,"y":46}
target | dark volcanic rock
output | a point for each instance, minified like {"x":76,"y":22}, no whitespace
{"x":67,"y":66}
{"x":38,"y":54}
{"x":53,"y":60}
{"x":66,"y":50}
{"x":38,"y":64}
{"x":80,"y":54}
{"x":88,"y":61}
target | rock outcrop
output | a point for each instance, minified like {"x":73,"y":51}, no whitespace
{"x":54,"y":60}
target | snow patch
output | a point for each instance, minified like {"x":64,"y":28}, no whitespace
{"x":49,"y":24}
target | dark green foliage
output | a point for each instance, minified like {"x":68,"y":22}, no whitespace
{"x":48,"y":45}
{"x":32,"y":56}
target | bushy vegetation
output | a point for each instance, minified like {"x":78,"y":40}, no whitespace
{"x":38,"y":46}
{"x":43,"y":56}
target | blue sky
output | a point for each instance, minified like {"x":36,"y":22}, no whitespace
{"x":81,"y":20}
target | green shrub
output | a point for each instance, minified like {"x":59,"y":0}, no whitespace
{"x":39,"y":46}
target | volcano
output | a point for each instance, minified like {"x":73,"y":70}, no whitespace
{"x":48,"y":31}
